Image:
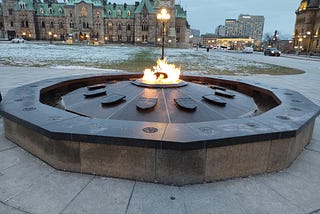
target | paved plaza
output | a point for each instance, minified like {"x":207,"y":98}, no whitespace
{"x":28,"y":185}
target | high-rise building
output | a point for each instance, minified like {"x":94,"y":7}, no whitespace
{"x":220,"y":31}
{"x":247,"y":26}
{"x":97,"y":20}
{"x":306,"y":36}
{"x":250,"y":26}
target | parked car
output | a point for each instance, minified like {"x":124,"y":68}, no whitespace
{"x":271,"y":52}
{"x":247,"y":50}
{"x":17,"y":40}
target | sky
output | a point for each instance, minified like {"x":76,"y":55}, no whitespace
{"x":206,"y":15}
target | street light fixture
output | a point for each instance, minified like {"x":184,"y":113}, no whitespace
{"x":50,"y":37}
{"x":163,"y":16}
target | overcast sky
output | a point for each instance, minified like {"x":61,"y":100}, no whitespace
{"x":206,"y":15}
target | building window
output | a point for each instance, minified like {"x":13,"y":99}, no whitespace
{"x":10,"y":11}
{"x":60,"y":10}
{"x":83,"y":24}
{"x":109,"y":12}
{"x":119,"y":26}
{"x":70,"y":14}
{"x":128,"y":13}
{"x":177,"y":30}
{"x":43,"y":25}
{"x":50,"y":10}
{"x":128,"y":27}
{"x":83,"y":12}
{"x":144,"y":26}
{"x":22,"y":5}
{"x":71,"y":25}
{"x":61,"y":25}
{"x":27,"y":24}
{"x":98,"y":14}
{"x":51,"y":25}
{"x":22,"y":23}
{"x":119,"y":12}
{"x":98,"y":25}
{"x":11,"y":24}
{"x":110,"y":25}
{"x":41,"y":10}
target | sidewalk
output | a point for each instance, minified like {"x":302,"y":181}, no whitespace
{"x":28,"y":185}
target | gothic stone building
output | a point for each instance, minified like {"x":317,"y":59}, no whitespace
{"x":306,"y":36}
{"x":99,"y":20}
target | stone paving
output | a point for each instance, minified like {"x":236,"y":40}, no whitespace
{"x":28,"y":185}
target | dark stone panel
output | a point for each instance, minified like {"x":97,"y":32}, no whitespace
{"x":180,"y":167}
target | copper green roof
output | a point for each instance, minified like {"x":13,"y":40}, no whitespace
{"x":119,"y":11}
{"x":56,"y":9}
{"x":180,"y":13}
{"x":96,"y":3}
{"x":149,"y":5}
{"x":24,"y":5}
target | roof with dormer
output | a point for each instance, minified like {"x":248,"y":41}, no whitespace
{"x":56,"y":9}
{"x":119,"y":11}
{"x":26,"y":5}
{"x":145,"y":3}
{"x":96,"y":3}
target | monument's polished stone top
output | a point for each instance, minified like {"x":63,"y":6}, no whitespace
{"x":281,"y":113}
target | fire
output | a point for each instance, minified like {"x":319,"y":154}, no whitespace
{"x":163,"y":73}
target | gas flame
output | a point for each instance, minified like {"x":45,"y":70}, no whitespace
{"x":163,"y":73}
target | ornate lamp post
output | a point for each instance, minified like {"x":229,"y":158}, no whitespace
{"x":50,"y":37}
{"x":163,"y":16}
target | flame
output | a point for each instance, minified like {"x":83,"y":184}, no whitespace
{"x":163,"y":73}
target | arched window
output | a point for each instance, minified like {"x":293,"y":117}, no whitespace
{"x":83,"y":11}
{"x":43,"y":25}
{"x":60,"y":10}
{"x":110,"y":25}
{"x":41,"y":10}
{"x":98,"y":14}
{"x":109,"y":12}
{"x":144,"y":26}
{"x":50,"y":10}
{"x":22,"y":5}
{"x":128,"y":13}
{"x":119,"y":12}
{"x":51,"y":25}
{"x":128,"y":27}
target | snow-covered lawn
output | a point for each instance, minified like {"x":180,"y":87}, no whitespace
{"x":131,"y":58}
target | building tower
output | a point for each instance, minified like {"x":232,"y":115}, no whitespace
{"x":305,"y":37}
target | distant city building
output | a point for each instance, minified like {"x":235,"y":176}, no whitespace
{"x":232,"y":43}
{"x":246,"y":26}
{"x":195,"y":32}
{"x":231,"y":27}
{"x":306,"y":36}
{"x":93,"y":20}
{"x":221,"y":30}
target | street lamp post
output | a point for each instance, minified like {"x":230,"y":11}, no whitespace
{"x":163,"y":16}
{"x":50,"y":37}
{"x":309,"y":42}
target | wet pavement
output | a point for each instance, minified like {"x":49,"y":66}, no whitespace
{"x":28,"y":185}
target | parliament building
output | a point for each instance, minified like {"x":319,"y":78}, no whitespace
{"x":94,"y":20}
{"x":306,"y":36}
